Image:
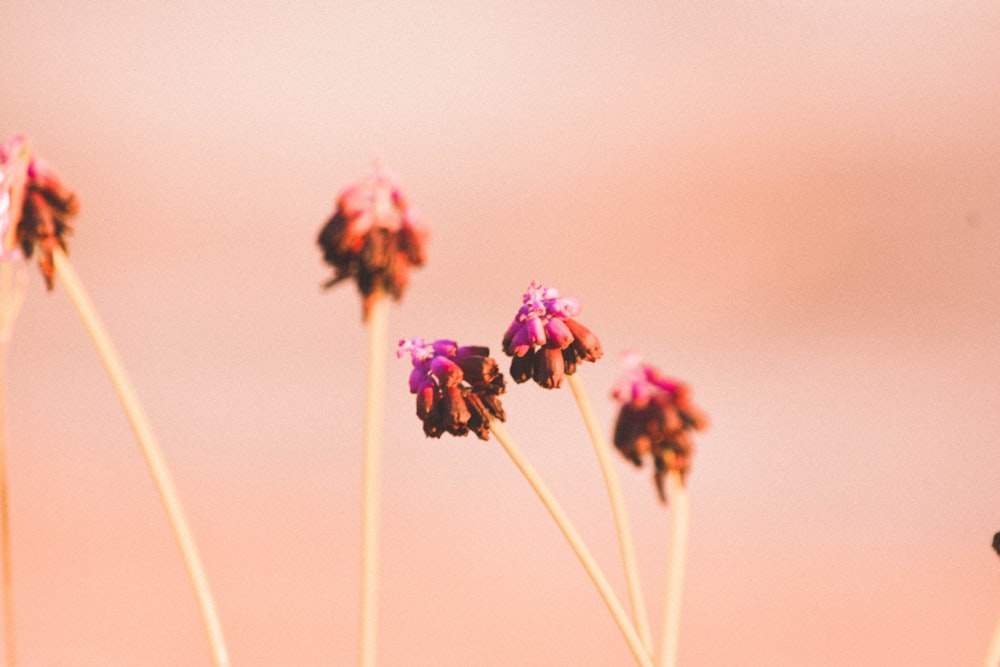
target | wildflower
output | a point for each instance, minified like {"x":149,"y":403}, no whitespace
{"x":40,"y":206}
{"x":373,"y":236}
{"x":457,"y":388}
{"x":546,"y":343}
{"x":656,"y":418}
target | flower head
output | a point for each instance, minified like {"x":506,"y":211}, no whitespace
{"x":373,"y":236}
{"x":38,"y":205}
{"x":546,"y":343}
{"x":457,"y":388}
{"x":656,"y":418}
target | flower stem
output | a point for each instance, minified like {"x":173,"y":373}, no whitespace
{"x":993,"y":653}
{"x":377,"y":320}
{"x":618,"y":510}
{"x":150,"y":450}
{"x":678,"y":502}
{"x":13,"y":282}
{"x":576,"y":542}
{"x":5,"y":543}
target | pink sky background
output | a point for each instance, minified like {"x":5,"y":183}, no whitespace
{"x":793,"y":206}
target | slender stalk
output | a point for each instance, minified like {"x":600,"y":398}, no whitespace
{"x":614,"y":487}
{"x":378,"y":316}
{"x":993,"y":653}
{"x":12,"y":287}
{"x":5,"y":541}
{"x":576,"y":542}
{"x":150,"y":451}
{"x":677,"y":499}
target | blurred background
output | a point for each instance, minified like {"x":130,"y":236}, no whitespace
{"x":792,"y":206}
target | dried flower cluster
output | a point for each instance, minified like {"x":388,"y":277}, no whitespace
{"x":546,"y":343}
{"x":656,"y":418}
{"x":373,"y":236}
{"x":457,"y":388}
{"x":40,"y":206}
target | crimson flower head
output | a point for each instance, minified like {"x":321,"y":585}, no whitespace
{"x":656,"y":417}
{"x":373,"y":236}
{"x":546,"y":343}
{"x":457,"y":388}
{"x":38,"y":205}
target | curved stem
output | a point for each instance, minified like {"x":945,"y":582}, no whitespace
{"x":993,"y":653}
{"x":150,"y":451}
{"x":13,"y":283}
{"x":625,"y":543}
{"x":677,"y":500}
{"x":377,"y":319}
{"x":576,"y":542}
{"x":5,"y":541}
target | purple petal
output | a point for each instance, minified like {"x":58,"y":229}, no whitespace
{"x":563,"y":307}
{"x":536,"y":330}
{"x":446,"y":371}
{"x":445,"y":347}
{"x":417,"y":377}
{"x":508,"y":337}
{"x":559,"y":334}
{"x":521,"y":342}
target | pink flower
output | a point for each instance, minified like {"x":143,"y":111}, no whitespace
{"x":39,"y":205}
{"x":457,"y":388}
{"x":656,"y":419}
{"x":373,"y":236}
{"x":546,"y":343}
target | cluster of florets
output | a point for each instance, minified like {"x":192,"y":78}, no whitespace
{"x":39,"y":205}
{"x":373,"y":236}
{"x":656,"y":418}
{"x":546,"y":343}
{"x":457,"y":388}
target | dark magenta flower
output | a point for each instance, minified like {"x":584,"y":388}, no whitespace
{"x":374,"y":236}
{"x":656,"y":418}
{"x":39,"y":205}
{"x":546,"y":343}
{"x":457,"y":388}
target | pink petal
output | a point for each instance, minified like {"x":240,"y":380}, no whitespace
{"x":446,"y":371}
{"x":559,"y":333}
{"x":536,"y":330}
{"x":521,"y":342}
{"x":564,"y":307}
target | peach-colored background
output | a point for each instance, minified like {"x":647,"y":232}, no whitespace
{"x":793,"y":206}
